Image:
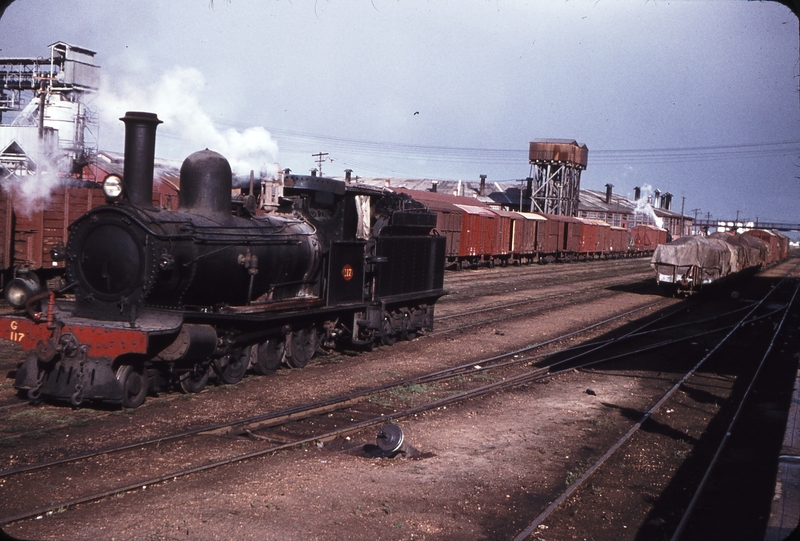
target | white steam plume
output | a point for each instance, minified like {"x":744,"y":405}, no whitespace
{"x":643,"y":207}
{"x":31,"y":192}
{"x":174,"y":98}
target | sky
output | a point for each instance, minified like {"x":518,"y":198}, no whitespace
{"x":698,"y":98}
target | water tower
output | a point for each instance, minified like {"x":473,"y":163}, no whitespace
{"x":555,"y":181}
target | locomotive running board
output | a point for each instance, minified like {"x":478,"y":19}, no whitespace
{"x":311,"y":302}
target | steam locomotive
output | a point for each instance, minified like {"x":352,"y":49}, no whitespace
{"x":159,"y":298}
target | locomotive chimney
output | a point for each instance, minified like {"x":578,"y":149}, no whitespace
{"x":483,"y":185}
{"x":206,"y":183}
{"x":140,"y":150}
{"x":608,"y":193}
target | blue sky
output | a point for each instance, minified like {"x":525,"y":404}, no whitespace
{"x":696,"y":97}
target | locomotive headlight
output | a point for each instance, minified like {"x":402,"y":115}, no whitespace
{"x":112,"y":187}
{"x":20,"y":289}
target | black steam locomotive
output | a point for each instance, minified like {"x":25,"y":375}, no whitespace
{"x":159,"y":297}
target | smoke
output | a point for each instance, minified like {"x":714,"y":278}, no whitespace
{"x":643,"y":207}
{"x":31,"y":186}
{"x":174,"y":97}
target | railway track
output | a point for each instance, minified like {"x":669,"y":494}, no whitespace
{"x":326,"y":421}
{"x":559,"y":518}
{"x":593,"y":288}
{"x":322,"y":421}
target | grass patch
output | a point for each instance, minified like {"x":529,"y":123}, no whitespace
{"x":574,"y":474}
{"x":38,"y":434}
{"x":400,"y":396}
{"x":38,"y":415}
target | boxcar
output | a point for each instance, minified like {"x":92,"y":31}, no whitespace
{"x":647,"y":237}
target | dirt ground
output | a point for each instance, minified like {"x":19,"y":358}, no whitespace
{"x":479,"y":470}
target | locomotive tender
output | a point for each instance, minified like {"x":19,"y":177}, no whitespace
{"x":158,"y":297}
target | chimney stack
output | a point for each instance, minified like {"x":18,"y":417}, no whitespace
{"x":637,"y":193}
{"x":347,"y":175}
{"x":528,"y":193}
{"x":608,"y":193}
{"x":483,"y":185}
{"x":657,"y":199}
{"x":140,"y":151}
{"x":434,"y":185}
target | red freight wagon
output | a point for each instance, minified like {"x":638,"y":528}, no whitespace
{"x":603,"y":240}
{"x":563,"y":237}
{"x":504,"y":226}
{"x":783,"y":242}
{"x":552,"y":233}
{"x":619,"y":241}
{"x":572,"y":235}
{"x":589,"y":238}
{"x":29,"y":232}
{"x":526,"y":233}
{"x":647,"y":237}
{"x":477,"y":233}
{"x":772,"y":241}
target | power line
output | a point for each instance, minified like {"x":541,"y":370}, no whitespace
{"x":296,"y":141}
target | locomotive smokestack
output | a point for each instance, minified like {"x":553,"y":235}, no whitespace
{"x":206,"y":183}
{"x":140,"y":150}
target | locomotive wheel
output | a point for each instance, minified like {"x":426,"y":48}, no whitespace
{"x":303,"y":346}
{"x":409,"y":334}
{"x":266,"y":357}
{"x":231,"y":368}
{"x":194,"y":381}
{"x":388,"y":336}
{"x":390,"y":438}
{"x":134,"y":385}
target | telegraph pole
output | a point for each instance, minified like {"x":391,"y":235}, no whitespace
{"x":320,"y":156}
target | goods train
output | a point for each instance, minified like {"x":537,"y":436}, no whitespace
{"x":158,"y":298}
{"x":477,"y":235}
{"x":688,"y":264}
